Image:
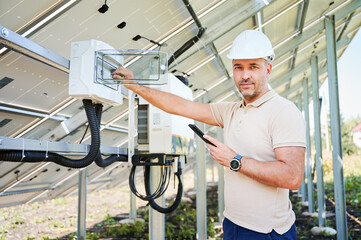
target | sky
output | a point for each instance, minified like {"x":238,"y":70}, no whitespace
{"x":349,"y":78}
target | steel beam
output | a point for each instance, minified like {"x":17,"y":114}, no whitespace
{"x":311,"y":207}
{"x":35,"y":51}
{"x":21,"y":178}
{"x":70,"y":188}
{"x":219,"y":60}
{"x":305,"y":66}
{"x":300,"y":22}
{"x":131,"y":147}
{"x":7,"y":143}
{"x":201,"y":198}
{"x":318,"y":144}
{"x":31,"y":113}
{"x":339,"y":185}
{"x":83,"y":178}
{"x":314,"y":30}
{"x":220,"y":181}
{"x":29,"y":190}
{"x":288,"y":44}
{"x":303,"y":188}
{"x":68,"y":125}
{"x":303,"y":15}
{"x":156,"y":219}
{"x":345,"y":26}
{"x":31,"y":49}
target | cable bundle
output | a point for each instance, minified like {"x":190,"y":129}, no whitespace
{"x":162,"y":185}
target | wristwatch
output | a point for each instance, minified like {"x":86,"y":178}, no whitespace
{"x":235,"y":163}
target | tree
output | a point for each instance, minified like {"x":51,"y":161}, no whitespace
{"x":348,"y":146}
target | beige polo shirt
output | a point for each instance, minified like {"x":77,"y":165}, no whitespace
{"x":255,"y":131}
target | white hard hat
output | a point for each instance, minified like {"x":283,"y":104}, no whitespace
{"x":251,"y":44}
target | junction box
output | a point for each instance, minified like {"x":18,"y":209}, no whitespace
{"x":87,"y":68}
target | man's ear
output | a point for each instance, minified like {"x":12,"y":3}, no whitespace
{"x":269,"y":69}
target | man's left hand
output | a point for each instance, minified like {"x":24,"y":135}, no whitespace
{"x":221,"y":153}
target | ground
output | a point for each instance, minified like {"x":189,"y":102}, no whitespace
{"x":57,"y":218}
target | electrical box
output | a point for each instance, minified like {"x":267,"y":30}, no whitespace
{"x":149,"y":67}
{"x":161,"y":132}
{"x":87,"y":69}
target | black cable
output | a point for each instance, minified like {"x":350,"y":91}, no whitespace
{"x":162,"y":185}
{"x":187,"y":45}
{"x":161,"y":188}
{"x":191,"y":41}
{"x":82,"y":138}
{"x":93,"y":113}
{"x":156,"y":194}
{"x":178,"y":198}
{"x":37,"y":156}
{"x":99,"y":161}
{"x":176,"y":202}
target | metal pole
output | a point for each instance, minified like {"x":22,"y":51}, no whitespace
{"x":195,"y":170}
{"x":131,"y":127}
{"x":220,"y":181}
{"x":211,"y":163}
{"x":318,"y":144}
{"x":327,"y":134}
{"x":156,"y":219}
{"x":201,"y":186}
{"x":339,"y":186}
{"x":311,"y":207}
{"x":302,"y":189}
{"x":83,"y":179}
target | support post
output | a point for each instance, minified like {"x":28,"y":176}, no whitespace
{"x":318,"y":144}
{"x":220,"y":181}
{"x":201,"y":186}
{"x":156,"y":219}
{"x":302,"y":189}
{"x":131,"y":130}
{"x":83,"y":179}
{"x":339,"y":185}
{"x":311,"y":207}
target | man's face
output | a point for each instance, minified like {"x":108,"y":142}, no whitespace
{"x":250,"y":77}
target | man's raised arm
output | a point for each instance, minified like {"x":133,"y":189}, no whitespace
{"x":168,"y":102}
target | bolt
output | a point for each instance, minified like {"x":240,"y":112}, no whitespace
{"x":5,"y":32}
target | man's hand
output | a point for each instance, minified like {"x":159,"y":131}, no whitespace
{"x":124,"y":73}
{"x":222,"y":153}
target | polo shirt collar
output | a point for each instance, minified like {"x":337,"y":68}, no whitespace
{"x":270,"y":94}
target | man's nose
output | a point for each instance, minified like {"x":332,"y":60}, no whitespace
{"x":246,"y":75}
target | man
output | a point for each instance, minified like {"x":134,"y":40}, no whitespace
{"x":264,"y":142}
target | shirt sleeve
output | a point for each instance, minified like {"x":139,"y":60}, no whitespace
{"x":288,"y":128}
{"x":221,"y":111}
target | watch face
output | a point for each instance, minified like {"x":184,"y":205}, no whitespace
{"x":234,"y":164}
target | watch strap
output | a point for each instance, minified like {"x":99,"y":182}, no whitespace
{"x":238,"y":159}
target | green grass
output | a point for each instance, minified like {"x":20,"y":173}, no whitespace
{"x":352,"y":178}
{"x":352,"y":181}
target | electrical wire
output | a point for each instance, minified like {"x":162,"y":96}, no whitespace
{"x":162,"y":185}
{"x":81,"y":140}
